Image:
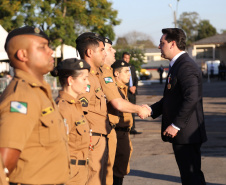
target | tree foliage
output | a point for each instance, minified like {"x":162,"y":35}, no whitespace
{"x":8,"y":10}
{"x":195,"y":28}
{"x":139,"y":40}
{"x":136,"y":56}
{"x":205,"y":29}
{"x":188,"y":21}
{"x":133,"y":43}
{"x":62,"y":20}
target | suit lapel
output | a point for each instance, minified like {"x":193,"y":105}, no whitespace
{"x":170,"y":74}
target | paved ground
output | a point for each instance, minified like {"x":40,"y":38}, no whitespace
{"x":153,"y":162}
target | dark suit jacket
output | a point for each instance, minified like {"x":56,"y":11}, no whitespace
{"x":182,"y":103}
{"x":132,"y":97}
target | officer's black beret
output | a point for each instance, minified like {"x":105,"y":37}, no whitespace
{"x":26,"y":30}
{"x":91,"y":35}
{"x":107,"y":40}
{"x":73,"y":64}
{"x":119,"y":63}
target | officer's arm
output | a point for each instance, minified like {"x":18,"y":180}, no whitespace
{"x":10,"y":157}
{"x":125,"y":106}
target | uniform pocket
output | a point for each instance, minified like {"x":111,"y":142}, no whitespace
{"x":100,"y":104}
{"x":48,"y":129}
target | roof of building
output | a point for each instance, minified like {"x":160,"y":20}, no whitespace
{"x":152,"y":50}
{"x":155,"y":64}
{"x":216,"y":39}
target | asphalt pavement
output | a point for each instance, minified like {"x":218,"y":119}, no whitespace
{"x":153,"y":161}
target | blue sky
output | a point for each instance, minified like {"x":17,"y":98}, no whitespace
{"x":150,"y":16}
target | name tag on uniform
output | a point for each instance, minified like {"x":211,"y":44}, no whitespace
{"x":80,"y":122}
{"x":20,"y":107}
{"x":47,"y":111}
{"x":108,"y":80}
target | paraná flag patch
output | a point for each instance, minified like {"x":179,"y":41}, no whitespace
{"x":20,"y":107}
{"x":108,"y":80}
{"x":88,"y":88}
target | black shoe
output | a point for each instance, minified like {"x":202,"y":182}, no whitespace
{"x":135,"y":132}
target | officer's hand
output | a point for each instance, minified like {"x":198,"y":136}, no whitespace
{"x":144,"y":112}
{"x":132,"y":89}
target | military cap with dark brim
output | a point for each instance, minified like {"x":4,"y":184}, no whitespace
{"x":91,"y":35}
{"x":26,"y":30}
{"x":73,"y":64}
{"x":107,"y":40}
{"x":120,"y":63}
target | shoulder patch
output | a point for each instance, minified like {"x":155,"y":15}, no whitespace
{"x":108,"y":80}
{"x":84,"y":102}
{"x":88,"y":88}
{"x":20,"y":107}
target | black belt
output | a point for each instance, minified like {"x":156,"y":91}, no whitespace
{"x":79,"y":162}
{"x":12,"y":183}
{"x":124,"y":129}
{"x":98,"y":134}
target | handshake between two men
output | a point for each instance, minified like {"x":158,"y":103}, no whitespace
{"x":145,"y":111}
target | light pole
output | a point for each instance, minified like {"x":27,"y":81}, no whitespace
{"x":174,"y":13}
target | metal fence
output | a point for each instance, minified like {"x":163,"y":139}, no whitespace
{"x":52,"y":81}
{"x":3,"y":83}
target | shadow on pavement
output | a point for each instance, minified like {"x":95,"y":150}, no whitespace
{"x":170,"y":178}
{"x":145,"y":174}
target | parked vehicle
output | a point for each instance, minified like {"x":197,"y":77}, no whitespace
{"x":145,"y":74}
{"x":211,"y":67}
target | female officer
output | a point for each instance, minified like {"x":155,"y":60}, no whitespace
{"x":73,"y":77}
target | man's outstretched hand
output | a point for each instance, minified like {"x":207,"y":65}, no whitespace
{"x":144,"y":112}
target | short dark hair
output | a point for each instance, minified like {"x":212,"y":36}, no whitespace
{"x":86,"y":40}
{"x":125,"y":53}
{"x":177,"y":35}
{"x":86,"y":44}
{"x":117,"y":69}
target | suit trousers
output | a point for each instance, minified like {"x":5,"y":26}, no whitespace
{"x":188,"y":157}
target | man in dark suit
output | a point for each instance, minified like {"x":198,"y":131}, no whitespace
{"x":181,"y":107}
{"x":132,"y":88}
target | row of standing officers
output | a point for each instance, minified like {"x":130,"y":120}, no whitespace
{"x":34,"y":138}
{"x":97,"y":118}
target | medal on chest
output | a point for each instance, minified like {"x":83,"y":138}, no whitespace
{"x":169,"y":82}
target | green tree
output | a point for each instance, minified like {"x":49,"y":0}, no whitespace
{"x":205,"y":29}
{"x":64,"y":20}
{"x":188,"y":21}
{"x":8,"y":20}
{"x":136,"y":56}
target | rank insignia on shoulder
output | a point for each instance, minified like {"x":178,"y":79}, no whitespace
{"x":98,"y":89}
{"x":88,"y":88}
{"x":108,"y":80}
{"x":84,"y":101}
{"x":80,"y":122}
{"x":20,"y":107}
{"x":47,"y":111}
